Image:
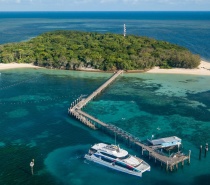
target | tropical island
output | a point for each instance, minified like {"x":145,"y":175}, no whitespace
{"x":108,"y":52}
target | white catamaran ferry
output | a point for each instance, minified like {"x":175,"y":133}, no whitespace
{"x":114,"y":157}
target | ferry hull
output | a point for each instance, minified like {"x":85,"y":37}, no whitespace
{"x":114,"y":167}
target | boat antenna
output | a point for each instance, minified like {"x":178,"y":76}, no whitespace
{"x":115,"y":138}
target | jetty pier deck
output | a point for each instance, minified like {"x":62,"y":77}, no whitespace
{"x":94,"y":123}
{"x":77,"y":105}
{"x":83,"y":102}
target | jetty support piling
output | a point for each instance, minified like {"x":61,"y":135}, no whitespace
{"x":206,"y":149}
{"x":200,"y":152}
{"x":189,"y":156}
{"x":76,"y":111}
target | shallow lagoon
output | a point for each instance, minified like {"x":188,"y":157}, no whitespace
{"x":35,"y":124}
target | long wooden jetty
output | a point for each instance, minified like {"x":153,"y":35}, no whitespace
{"x":75,"y":110}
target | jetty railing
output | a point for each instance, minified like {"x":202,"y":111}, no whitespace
{"x":94,"y":123}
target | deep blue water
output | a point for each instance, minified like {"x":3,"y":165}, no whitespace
{"x":189,"y":29}
{"x":112,"y":15}
{"x":33,"y":103}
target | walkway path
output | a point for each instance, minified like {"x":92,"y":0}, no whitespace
{"x":94,"y":123}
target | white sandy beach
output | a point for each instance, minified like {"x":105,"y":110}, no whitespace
{"x":203,"y":69}
{"x":16,"y":65}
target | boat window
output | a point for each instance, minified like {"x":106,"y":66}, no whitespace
{"x":93,"y":150}
{"x":124,"y":166}
{"x":106,"y":159}
{"x":109,"y":155}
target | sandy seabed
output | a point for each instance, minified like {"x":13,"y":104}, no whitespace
{"x":203,"y":69}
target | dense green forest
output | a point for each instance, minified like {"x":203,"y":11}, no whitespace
{"x":76,"y":50}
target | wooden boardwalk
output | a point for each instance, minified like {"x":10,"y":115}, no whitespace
{"x":77,"y":105}
{"x":75,"y":110}
{"x":83,"y":102}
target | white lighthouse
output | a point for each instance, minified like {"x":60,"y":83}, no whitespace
{"x":124,"y":30}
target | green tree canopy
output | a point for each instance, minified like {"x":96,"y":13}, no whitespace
{"x":74,"y":49}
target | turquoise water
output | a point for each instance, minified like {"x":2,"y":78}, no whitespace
{"x":35,"y":124}
{"x":33,"y":103}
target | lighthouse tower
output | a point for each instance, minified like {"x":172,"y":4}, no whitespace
{"x":124,"y":30}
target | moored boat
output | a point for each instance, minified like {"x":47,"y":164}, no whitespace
{"x":114,"y":157}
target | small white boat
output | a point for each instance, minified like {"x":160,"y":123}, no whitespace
{"x":114,"y":157}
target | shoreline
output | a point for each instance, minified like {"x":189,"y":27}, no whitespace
{"x":17,"y":66}
{"x":202,"y":69}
